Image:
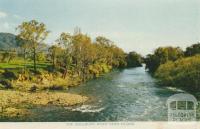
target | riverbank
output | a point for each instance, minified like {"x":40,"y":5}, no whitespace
{"x":32,"y":82}
{"x":20,"y":91}
{"x":18,"y":96}
{"x":121,"y":95}
{"x":18,"y":103}
{"x":47,"y":79}
{"x":183,"y":73}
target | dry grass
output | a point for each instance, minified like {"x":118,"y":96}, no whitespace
{"x":45,"y":82}
{"x":14,"y":103}
{"x":41,"y":98}
{"x":15,"y":112}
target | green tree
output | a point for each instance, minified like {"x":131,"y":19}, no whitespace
{"x":109,"y":53}
{"x":193,"y":50}
{"x":41,"y":57}
{"x":82,"y":52}
{"x":105,"y":55}
{"x":8,"y":55}
{"x":25,"y":48}
{"x":5,"y":55}
{"x":134,"y":59}
{"x":161,"y":55}
{"x":65,"y":42}
{"x":55,"y":52}
{"x":183,"y":73}
{"x":33,"y":33}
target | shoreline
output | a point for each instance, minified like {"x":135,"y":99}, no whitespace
{"x":20,"y":94}
{"x":18,"y":103}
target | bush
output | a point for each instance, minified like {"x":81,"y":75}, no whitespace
{"x":10,"y":74}
{"x":161,"y":56}
{"x":106,"y":68}
{"x":2,"y":71}
{"x":2,"y":86}
{"x":40,"y":71}
{"x":5,"y":83}
{"x":183,"y":73}
{"x":134,"y":60}
{"x":98,"y":69}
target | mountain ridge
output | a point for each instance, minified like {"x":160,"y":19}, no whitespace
{"x":7,"y":41}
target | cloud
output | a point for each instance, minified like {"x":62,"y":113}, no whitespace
{"x":7,"y":27}
{"x":2,"y":14}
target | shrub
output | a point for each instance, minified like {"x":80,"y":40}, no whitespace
{"x":2,"y":86}
{"x":134,"y":59}
{"x":161,"y":56}
{"x":183,"y":73}
{"x":10,"y":74}
{"x":5,"y":83}
{"x":40,"y":71}
{"x":2,"y":71}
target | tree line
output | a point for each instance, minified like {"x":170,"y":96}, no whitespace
{"x":77,"y":54}
{"x":176,"y":67}
{"x":70,"y":53}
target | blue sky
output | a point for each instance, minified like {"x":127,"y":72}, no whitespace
{"x":139,"y":25}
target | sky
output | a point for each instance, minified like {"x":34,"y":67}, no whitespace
{"x":134,"y":25}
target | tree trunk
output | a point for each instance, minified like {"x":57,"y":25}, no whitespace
{"x":64,"y":73}
{"x":53,"y":62}
{"x":34,"y":58}
{"x":9,"y":59}
{"x":24,"y":60}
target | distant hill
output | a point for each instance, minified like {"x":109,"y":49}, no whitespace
{"x":7,"y":41}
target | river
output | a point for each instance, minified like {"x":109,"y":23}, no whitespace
{"x":122,"y":95}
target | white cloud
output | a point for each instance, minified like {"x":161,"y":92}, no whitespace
{"x":3,"y":14}
{"x":6,"y":27}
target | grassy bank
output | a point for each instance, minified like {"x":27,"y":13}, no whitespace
{"x":15,"y":79}
{"x":21,"y":90}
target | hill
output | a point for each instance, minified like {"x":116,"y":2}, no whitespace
{"x":7,"y":41}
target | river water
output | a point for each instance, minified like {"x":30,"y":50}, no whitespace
{"x":122,"y":95}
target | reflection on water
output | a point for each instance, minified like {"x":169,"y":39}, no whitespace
{"x":126,"y":95}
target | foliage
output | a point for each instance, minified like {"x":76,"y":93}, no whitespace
{"x":5,"y":84}
{"x":183,"y":73}
{"x":193,"y":50}
{"x":10,"y":74}
{"x":109,"y":53}
{"x":97,"y":69}
{"x":32,"y":34}
{"x":77,"y":53}
{"x":41,"y":57}
{"x":134,"y":59}
{"x":55,"y":52}
{"x":7,"y":56}
{"x":72,"y":57}
{"x":162,"y":55}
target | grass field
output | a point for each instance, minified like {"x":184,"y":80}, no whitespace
{"x":15,"y":65}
